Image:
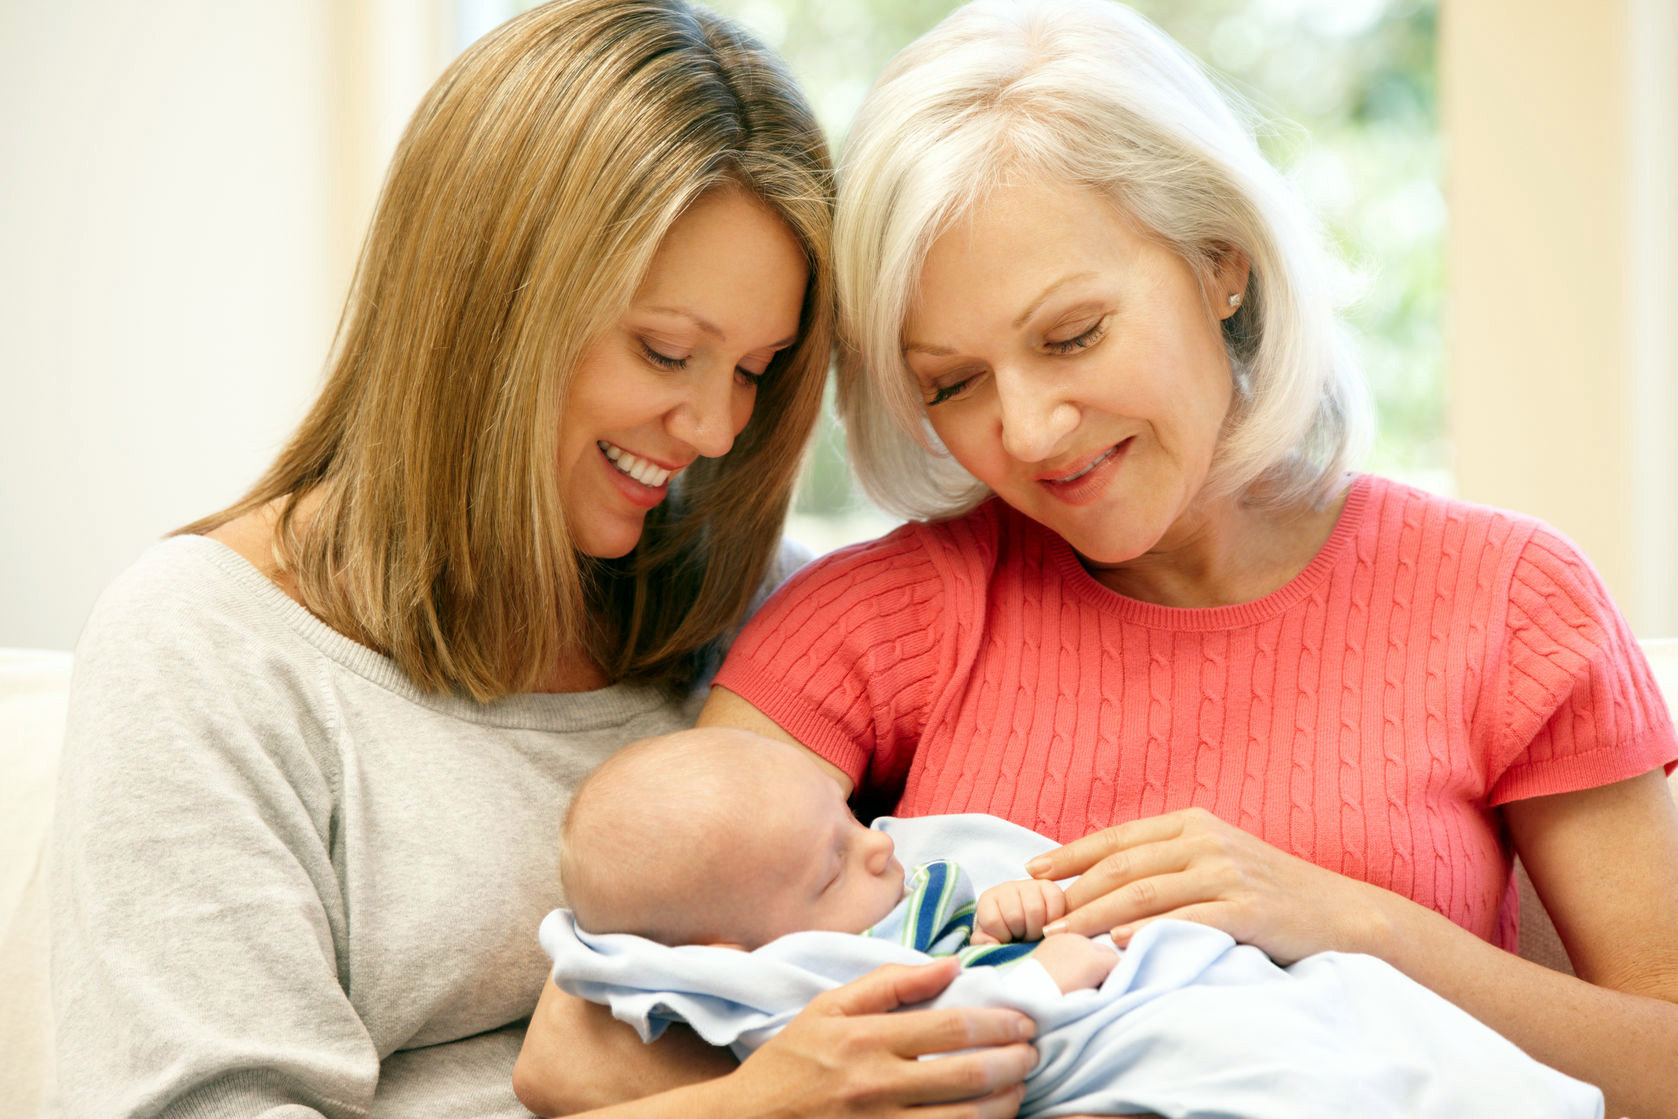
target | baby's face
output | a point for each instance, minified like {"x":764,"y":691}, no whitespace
{"x":808,"y":863}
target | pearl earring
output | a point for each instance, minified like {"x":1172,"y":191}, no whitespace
{"x":1234,"y":300}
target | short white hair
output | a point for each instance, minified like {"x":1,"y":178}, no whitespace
{"x":1085,"y":92}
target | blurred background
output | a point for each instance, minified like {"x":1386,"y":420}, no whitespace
{"x":186,"y":183}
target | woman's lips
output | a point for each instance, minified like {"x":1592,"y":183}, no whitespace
{"x":1079,"y":473}
{"x":635,"y":492}
{"x":1086,"y":482}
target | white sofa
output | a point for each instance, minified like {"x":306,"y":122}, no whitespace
{"x":33,"y":686}
{"x":32,"y":694}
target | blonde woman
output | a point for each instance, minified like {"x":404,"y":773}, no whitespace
{"x":1148,"y":610}
{"x":319,"y":741}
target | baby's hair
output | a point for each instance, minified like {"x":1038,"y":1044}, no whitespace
{"x":631,"y":841}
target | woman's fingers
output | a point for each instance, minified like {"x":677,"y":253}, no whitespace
{"x":1128,"y":867}
{"x":998,"y":1105}
{"x":967,"y":1075}
{"x":1083,"y":853}
{"x":887,"y":988}
{"x":923,"y":1033}
{"x":1151,"y":896}
{"x":1192,"y":866}
{"x":847,"y":1052}
{"x":918,"y":1033}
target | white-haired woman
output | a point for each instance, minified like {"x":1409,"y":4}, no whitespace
{"x":1088,"y":340}
{"x":319,"y":741}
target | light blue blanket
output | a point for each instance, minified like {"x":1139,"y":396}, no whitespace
{"x":1189,"y":1023}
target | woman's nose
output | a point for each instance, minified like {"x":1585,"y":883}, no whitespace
{"x":1034,"y":415}
{"x":711,"y":414}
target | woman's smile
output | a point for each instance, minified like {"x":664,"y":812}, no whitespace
{"x":648,"y":473}
{"x":1107,"y":441}
{"x":677,"y":378}
{"x":1085,"y":483}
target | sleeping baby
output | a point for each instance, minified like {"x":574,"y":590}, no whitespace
{"x":717,"y":878}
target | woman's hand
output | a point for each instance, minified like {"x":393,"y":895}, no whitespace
{"x":846,"y":1055}
{"x":1193,"y":866}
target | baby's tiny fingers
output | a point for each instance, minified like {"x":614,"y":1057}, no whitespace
{"x":1036,"y":916}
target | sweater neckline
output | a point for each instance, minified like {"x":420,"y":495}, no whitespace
{"x":1235,"y":615}
{"x":551,"y":711}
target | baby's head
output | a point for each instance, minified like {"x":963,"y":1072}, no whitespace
{"x":720,"y":836}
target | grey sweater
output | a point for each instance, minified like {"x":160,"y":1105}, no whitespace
{"x":286,"y":883}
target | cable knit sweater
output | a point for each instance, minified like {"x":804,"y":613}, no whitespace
{"x":1436,"y":659}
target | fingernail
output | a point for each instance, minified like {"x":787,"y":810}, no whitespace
{"x":1026,"y":1029}
{"x":1054,"y":928}
{"x":1037,"y":865}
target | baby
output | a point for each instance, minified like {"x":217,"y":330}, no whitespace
{"x":722,"y":837}
{"x":716,"y":877}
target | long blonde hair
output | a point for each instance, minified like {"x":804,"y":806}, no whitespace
{"x":523,"y":206}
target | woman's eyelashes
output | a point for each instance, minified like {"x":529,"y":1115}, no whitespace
{"x":948,"y":391}
{"x":660,"y":359}
{"x":1081,"y":341}
{"x":670,"y":363}
{"x":958,"y":383}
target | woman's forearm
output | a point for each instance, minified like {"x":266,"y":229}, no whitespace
{"x":1605,"y":861}
{"x":577,"y":1057}
{"x":1625,"y":1043}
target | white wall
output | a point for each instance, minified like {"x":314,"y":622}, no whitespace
{"x":182,"y":187}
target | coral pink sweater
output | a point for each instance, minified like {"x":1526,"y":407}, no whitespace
{"x":1436,"y":659}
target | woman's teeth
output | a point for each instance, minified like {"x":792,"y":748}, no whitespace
{"x":1097,"y":462}
{"x":634,"y":466}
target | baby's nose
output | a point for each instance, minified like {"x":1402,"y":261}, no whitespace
{"x":880,"y":848}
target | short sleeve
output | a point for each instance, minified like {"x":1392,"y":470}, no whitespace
{"x":1576,"y":704}
{"x":847,"y":656}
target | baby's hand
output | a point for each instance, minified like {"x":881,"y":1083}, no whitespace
{"x":1075,"y":962}
{"x":1017,"y":911}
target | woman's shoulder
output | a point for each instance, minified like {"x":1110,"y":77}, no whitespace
{"x":1401,"y":520}
{"x":1395,"y":502}
{"x":187,"y":614}
{"x":1515,"y":565}
{"x":954,"y":550}
{"x":181,"y":583}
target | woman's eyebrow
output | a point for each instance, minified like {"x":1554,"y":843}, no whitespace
{"x":1043,"y":297}
{"x":925,"y":348}
{"x":708,"y":327}
{"x":704,"y":324}
{"x":911,"y":346}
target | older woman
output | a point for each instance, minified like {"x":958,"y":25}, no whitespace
{"x":319,"y":741}
{"x":1150,"y":612}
